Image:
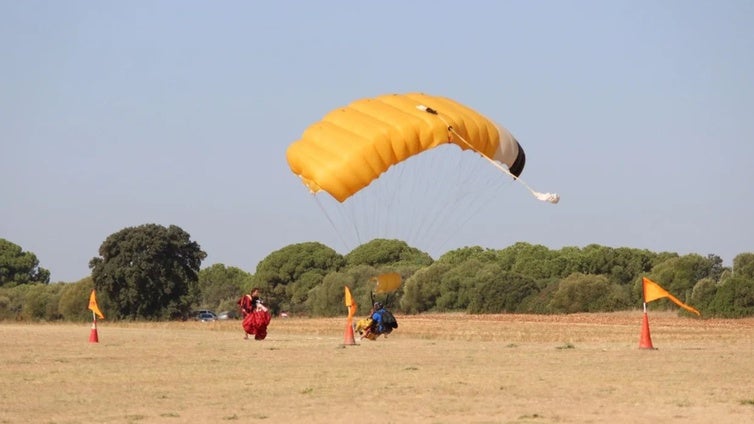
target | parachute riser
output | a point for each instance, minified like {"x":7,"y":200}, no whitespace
{"x":545,"y":197}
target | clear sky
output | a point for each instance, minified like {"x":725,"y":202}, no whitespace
{"x":117,"y":114}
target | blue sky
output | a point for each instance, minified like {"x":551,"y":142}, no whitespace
{"x":117,"y":114}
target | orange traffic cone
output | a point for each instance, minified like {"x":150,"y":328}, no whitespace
{"x":348,"y":338}
{"x":645,"y":342}
{"x":93,"y":338}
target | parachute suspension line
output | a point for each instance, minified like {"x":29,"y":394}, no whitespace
{"x":475,"y":210}
{"x":332,"y":224}
{"x":545,"y":197}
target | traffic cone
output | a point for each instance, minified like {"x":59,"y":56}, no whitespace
{"x":348,"y":339}
{"x":93,"y":338}
{"x":645,"y":342}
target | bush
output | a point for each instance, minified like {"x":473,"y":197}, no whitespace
{"x":421,"y":291}
{"x":40,"y":302}
{"x":734,"y":298}
{"x":588,"y":293}
{"x":501,"y":292}
{"x":5,"y":311}
{"x":703,"y":293}
{"x":74,"y":301}
{"x":327,"y":298}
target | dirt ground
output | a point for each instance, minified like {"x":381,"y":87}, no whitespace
{"x":582,"y":368}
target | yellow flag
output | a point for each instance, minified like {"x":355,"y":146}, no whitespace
{"x":653,"y":291}
{"x":350,"y":303}
{"x":93,"y":305}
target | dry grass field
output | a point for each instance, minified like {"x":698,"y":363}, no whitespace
{"x":583,"y":368}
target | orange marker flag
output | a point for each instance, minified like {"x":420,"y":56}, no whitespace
{"x":93,"y":305}
{"x":350,"y":303}
{"x":653,"y":291}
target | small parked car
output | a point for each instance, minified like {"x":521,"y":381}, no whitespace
{"x":205,"y":316}
{"x":228,"y":315}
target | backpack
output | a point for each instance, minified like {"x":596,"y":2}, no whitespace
{"x":388,"y":320}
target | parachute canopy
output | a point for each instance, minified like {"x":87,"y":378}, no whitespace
{"x":352,"y":146}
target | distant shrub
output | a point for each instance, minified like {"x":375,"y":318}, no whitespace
{"x":734,"y":298}
{"x":703,"y":294}
{"x":74,"y":301}
{"x":588,"y":293}
{"x":502,"y":292}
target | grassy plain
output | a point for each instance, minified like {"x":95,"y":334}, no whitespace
{"x":582,"y":368}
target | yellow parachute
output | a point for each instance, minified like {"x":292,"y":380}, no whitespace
{"x":352,"y":146}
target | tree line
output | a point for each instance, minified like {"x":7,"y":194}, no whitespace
{"x":152,"y":272}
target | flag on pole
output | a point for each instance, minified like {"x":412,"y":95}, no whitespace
{"x":350,"y":303}
{"x":93,"y":305}
{"x":653,"y":291}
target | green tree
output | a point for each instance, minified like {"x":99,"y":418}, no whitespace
{"x":298,"y":292}
{"x":17,"y":266}
{"x":458,"y":285}
{"x":537,"y":261}
{"x":421,"y":290}
{"x":627,"y":264}
{"x":539,"y":301}
{"x":74,"y":301}
{"x":327,"y":298}
{"x":12,"y":301}
{"x":588,"y":293}
{"x":497,"y":291}
{"x":734,"y":298}
{"x":458,"y":256}
{"x":716,"y":268}
{"x":534,"y":261}
{"x":620,"y":265}
{"x":40,"y":301}
{"x":219,"y":284}
{"x":678,"y":275}
{"x":363,"y":286}
{"x":703,"y":294}
{"x":286,"y":266}
{"x":381,"y":252}
{"x":743,"y":265}
{"x":148,"y":272}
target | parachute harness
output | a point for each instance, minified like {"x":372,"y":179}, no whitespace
{"x":545,"y":197}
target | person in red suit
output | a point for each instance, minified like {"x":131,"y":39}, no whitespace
{"x":256,"y":316}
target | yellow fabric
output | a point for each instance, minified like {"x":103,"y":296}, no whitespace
{"x":350,"y":303}
{"x":353,"y":145}
{"x":653,"y":291}
{"x":93,"y":305}
{"x":361,"y":327}
{"x":388,"y":283}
